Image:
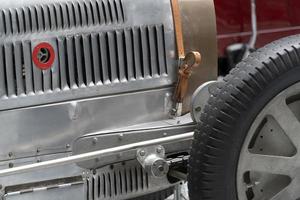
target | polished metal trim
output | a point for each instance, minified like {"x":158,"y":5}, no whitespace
{"x":94,"y":154}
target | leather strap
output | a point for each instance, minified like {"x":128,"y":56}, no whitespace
{"x":178,"y":28}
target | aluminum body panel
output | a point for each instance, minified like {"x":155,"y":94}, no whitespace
{"x":94,"y":142}
{"x":53,"y":128}
{"x":199,"y":34}
{"x":72,"y":192}
{"x":70,"y":170}
{"x":95,"y":55}
{"x":91,"y":183}
{"x":96,"y":155}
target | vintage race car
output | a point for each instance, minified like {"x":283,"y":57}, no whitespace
{"x":78,"y":77}
{"x":118,"y":99}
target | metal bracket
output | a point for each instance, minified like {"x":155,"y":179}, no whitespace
{"x":190,"y":61}
{"x":200,"y":99}
{"x":153,"y":160}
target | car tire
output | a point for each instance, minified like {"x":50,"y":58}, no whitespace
{"x":230,"y":113}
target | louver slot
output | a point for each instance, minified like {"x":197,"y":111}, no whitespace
{"x":10,"y":75}
{"x":3,"y":91}
{"x":60,"y":16}
{"x":27,"y":66}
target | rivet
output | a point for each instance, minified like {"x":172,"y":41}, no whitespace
{"x":119,"y":155}
{"x":121,"y":135}
{"x":159,"y":149}
{"x":95,"y":140}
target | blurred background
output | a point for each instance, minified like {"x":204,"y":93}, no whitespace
{"x":274,"y":19}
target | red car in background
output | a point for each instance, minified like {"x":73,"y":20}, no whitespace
{"x":275,"y":19}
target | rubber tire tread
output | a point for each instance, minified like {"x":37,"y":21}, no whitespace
{"x":229,"y":113}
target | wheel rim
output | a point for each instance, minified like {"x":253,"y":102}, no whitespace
{"x":269,"y":163}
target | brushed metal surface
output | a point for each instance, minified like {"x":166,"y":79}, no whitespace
{"x":51,"y":128}
{"x":91,"y":58}
{"x":104,"y":140}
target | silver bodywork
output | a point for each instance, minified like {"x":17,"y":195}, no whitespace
{"x":114,"y":72}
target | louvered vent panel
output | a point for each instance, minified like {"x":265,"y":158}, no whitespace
{"x":60,"y":16}
{"x":117,"y":183}
{"x":83,"y":61}
{"x":112,"y":57}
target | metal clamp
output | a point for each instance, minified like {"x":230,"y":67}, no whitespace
{"x":153,"y":160}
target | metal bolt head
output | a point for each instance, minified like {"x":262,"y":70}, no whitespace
{"x":159,"y":150}
{"x":11,"y":165}
{"x":142,"y":153}
{"x":95,"y":140}
{"x":198,"y":109}
{"x":121,"y":135}
{"x":119,"y":155}
{"x":161,"y":168}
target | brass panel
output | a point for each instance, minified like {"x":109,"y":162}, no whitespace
{"x":199,"y":34}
